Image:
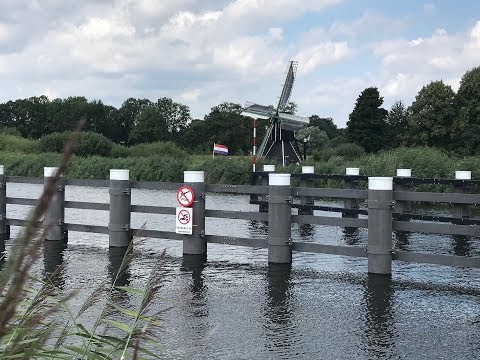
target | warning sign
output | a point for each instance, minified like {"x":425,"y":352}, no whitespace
{"x":183,"y":223}
{"x":185,"y":196}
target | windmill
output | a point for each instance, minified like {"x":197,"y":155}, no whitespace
{"x":279,"y":142}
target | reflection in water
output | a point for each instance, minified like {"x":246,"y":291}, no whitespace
{"x":379,"y":317}
{"x":278,"y":312}
{"x":402,"y":240}
{"x":351,"y":235}
{"x":53,"y":260}
{"x":118,"y":269}
{"x":256,"y":228}
{"x":461,"y":246}
{"x":195,"y":264}
{"x":307,"y":232}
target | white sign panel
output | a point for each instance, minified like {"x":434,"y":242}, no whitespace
{"x":183,"y":222}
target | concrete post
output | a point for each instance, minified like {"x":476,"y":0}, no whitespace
{"x":54,"y":220}
{"x":196,"y":243}
{"x":403,"y":206}
{"x":461,"y":210}
{"x":307,"y":182}
{"x":119,"y":233}
{"x":264,"y":207}
{"x":351,"y":184}
{"x":379,"y":249}
{"x":3,"y":210}
{"x":279,"y":223}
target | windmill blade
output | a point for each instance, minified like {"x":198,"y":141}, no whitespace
{"x":261,"y":149}
{"x":258,"y":111}
{"x":292,"y":122}
{"x":287,"y":85}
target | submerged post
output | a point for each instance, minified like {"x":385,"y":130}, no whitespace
{"x":461,"y":210}
{"x":266,"y":168}
{"x":54,"y":220}
{"x":119,"y":233}
{"x":307,"y":182}
{"x":3,"y":210}
{"x":403,"y":206}
{"x":351,"y":184}
{"x":279,"y":223}
{"x":379,"y":248}
{"x":196,"y":243}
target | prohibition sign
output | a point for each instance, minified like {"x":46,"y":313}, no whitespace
{"x":185,"y":196}
{"x":184,"y":217}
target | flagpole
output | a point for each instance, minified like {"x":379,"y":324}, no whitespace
{"x":213,"y":152}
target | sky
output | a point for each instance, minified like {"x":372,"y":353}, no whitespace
{"x":201,"y":53}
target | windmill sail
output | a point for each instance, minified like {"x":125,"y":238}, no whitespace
{"x":287,"y":86}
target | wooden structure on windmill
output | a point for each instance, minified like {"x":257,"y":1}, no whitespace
{"x":279,"y":142}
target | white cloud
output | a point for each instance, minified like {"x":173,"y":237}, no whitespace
{"x":321,"y":54}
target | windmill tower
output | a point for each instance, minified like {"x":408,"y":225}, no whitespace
{"x":279,"y":142}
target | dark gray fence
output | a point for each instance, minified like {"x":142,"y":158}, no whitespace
{"x":383,"y":197}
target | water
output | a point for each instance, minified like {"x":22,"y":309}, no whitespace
{"x":236,"y":307}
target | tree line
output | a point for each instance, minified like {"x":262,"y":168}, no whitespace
{"x":438,"y":117}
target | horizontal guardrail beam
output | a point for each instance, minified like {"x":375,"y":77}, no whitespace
{"x":24,"y":180}
{"x":237,"y":215}
{"x":152,"y":209}
{"x":237,"y":241}
{"x":21,"y":222}
{"x":437,"y":259}
{"x":87,"y":228}
{"x":237,"y":189}
{"x":86,"y":205}
{"x":329,"y":220}
{"x":87,"y":182}
{"x":436,"y":228}
{"x":435,"y":197}
{"x":151,"y":185}
{"x":330,"y":193}
{"x":330,"y":249}
{"x":21,"y":201}
{"x":157,"y":234}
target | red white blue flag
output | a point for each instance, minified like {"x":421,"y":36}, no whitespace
{"x":220,"y":149}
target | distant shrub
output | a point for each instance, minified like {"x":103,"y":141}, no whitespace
{"x":89,"y":144}
{"x":13,"y":143}
{"x":6,"y":130}
{"x":119,"y":151}
{"x":157,"y":149}
{"x":349,"y":151}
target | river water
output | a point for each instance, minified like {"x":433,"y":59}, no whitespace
{"x":237,"y":307}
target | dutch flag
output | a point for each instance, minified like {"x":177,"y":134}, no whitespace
{"x":220,"y":149}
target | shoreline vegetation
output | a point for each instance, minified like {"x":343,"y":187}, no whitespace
{"x":165,"y":161}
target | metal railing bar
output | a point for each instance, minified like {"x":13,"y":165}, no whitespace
{"x":86,"y":205}
{"x":152,"y":209}
{"x":228,"y":240}
{"x":445,"y":219}
{"x":330,"y":193}
{"x":87,"y":228}
{"x":87,"y":182}
{"x":436,"y":228}
{"x":241,"y":215}
{"x":157,"y":234}
{"x":330,"y":249}
{"x":24,"y":180}
{"x":329,"y":220}
{"x":21,"y":201}
{"x":152,"y":185}
{"x":237,"y":189}
{"x":454,"y":198}
{"x":437,"y":259}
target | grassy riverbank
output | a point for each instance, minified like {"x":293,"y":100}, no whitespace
{"x":424,"y":162}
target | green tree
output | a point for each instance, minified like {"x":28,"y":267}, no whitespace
{"x":325,"y":124}
{"x":467,"y":120}
{"x":149,"y":126}
{"x":397,"y":120}
{"x":431,"y":116}
{"x":125,"y":117}
{"x":175,"y":115}
{"x":367,"y":125}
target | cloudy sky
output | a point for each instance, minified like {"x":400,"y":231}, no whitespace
{"x":201,"y":53}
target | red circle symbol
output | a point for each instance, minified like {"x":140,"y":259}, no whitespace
{"x":184,"y":217}
{"x":185,"y":196}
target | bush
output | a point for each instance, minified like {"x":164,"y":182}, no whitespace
{"x":10,"y":131}
{"x":349,"y":151}
{"x":13,"y":143}
{"x":157,"y":149}
{"x":89,"y":143}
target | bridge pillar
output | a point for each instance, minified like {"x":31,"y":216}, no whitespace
{"x":54,"y":220}
{"x":351,"y":184}
{"x":279,"y":219}
{"x":3,"y":211}
{"x":268,"y":169}
{"x":307,"y":182}
{"x":196,"y":244}
{"x":379,"y":248}
{"x":403,"y":206}
{"x":461,"y":210}
{"x":119,"y":233}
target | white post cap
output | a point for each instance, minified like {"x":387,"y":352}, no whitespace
{"x":352,"y":171}
{"x":463,"y":175}
{"x":269,"y":168}
{"x":308,"y":169}
{"x":279,"y":179}
{"x":380,"y":183}
{"x":2,"y":170}
{"x":119,"y":174}
{"x":50,"y":171}
{"x":404,"y":172}
{"x":194,"y":176}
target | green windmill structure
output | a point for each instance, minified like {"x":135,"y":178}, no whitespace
{"x":279,"y":142}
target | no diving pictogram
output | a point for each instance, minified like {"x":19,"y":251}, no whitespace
{"x":184,"y":217}
{"x":185,"y":196}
